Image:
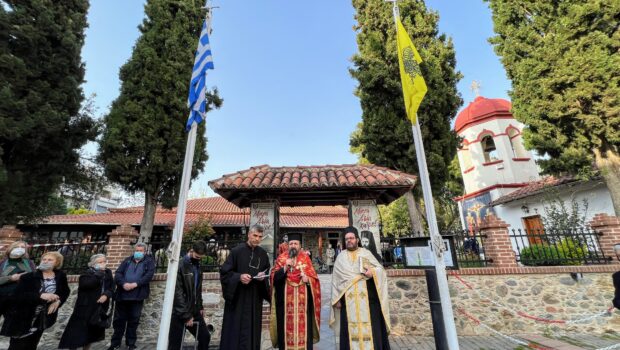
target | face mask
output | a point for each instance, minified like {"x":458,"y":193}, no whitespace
{"x":138,"y":255}
{"x":44,"y":266}
{"x":99,"y":267}
{"x":17,"y":252}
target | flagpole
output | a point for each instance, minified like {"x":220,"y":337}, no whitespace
{"x":173,"y":250}
{"x":436,"y":239}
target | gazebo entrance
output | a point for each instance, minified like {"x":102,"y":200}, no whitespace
{"x":358,"y":188}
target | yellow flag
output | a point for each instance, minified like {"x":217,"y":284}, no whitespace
{"x":414,"y":86}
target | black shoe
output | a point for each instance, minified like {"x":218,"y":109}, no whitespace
{"x":112,"y":347}
{"x":131,"y":347}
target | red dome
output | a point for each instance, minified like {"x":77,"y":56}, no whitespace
{"x":480,"y":110}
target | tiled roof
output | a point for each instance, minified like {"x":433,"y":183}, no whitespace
{"x":323,"y":176}
{"x":536,"y":187}
{"x":221,"y":213}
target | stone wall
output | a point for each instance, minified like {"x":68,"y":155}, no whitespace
{"x":496,"y":299}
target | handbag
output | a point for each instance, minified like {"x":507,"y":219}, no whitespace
{"x":100,"y":318}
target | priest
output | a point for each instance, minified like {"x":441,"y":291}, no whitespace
{"x":295,"y":299}
{"x":359,"y":300}
{"x":244,"y":287}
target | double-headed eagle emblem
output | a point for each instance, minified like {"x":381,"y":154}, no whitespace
{"x":412,"y":68}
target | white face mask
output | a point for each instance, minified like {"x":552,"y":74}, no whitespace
{"x":45,"y":266}
{"x":17,"y":252}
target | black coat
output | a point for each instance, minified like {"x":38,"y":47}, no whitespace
{"x":90,"y":288}
{"x":187,"y":297}
{"x":27,"y":297}
{"x":143,"y":290}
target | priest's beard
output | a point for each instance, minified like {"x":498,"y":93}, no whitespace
{"x":351,"y":246}
{"x":292,"y":253}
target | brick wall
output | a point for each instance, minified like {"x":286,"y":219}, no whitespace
{"x":120,"y":244}
{"x":497,"y":245}
{"x":8,"y":235}
{"x":609,"y":227}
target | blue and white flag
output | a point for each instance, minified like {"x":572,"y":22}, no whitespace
{"x":196,"y":100}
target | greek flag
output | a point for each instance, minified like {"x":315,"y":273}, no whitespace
{"x":196,"y":100}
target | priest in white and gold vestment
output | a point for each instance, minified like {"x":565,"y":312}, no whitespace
{"x":360,"y":312}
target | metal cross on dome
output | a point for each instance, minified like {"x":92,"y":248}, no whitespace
{"x":475,"y":87}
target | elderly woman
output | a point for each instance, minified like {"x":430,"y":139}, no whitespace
{"x":12,"y":267}
{"x":35,"y":304}
{"x":95,"y":290}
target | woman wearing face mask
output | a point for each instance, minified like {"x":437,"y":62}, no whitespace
{"x":12,"y":267}
{"x":95,"y":289}
{"x":35,"y":304}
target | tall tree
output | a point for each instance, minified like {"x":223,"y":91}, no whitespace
{"x":386,"y":138}
{"x":41,"y":124}
{"x":563,"y":59}
{"x":143,"y":144}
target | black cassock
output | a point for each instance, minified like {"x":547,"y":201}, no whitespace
{"x":377,"y":324}
{"x":243,"y":309}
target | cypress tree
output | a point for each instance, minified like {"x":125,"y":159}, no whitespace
{"x":563,"y":59}
{"x":386,"y":138}
{"x":41,"y":124}
{"x":143,"y":144}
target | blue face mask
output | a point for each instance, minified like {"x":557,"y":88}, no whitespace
{"x":138,"y":255}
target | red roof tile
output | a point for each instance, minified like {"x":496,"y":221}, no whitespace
{"x":535,"y":187}
{"x":325,"y":176}
{"x":220,"y":211}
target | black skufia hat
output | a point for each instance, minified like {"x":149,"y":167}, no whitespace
{"x":294,"y":237}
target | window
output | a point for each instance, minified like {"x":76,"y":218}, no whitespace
{"x":516,"y":144}
{"x":488,"y":149}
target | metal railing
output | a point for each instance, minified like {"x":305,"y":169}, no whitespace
{"x":469,"y":247}
{"x":217,"y":252}
{"x":76,"y":255}
{"x":557,"y":247}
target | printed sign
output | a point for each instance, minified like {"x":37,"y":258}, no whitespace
{"x":264,"y":214}
{"x":365,"y":217}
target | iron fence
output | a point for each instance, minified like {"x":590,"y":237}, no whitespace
{"x":76,"y":255}
{"x":557,"y":247}
{"x":469,"y":246}
{"x":217,"y":252}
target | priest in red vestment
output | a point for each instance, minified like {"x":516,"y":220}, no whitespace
{"x":295,"y":299}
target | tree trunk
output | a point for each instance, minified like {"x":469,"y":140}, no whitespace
{"x":415,"y":215}
{"x":146,"y":226}
{"x":609,"y":165}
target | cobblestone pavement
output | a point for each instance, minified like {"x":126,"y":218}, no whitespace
{"x":409,"y":342}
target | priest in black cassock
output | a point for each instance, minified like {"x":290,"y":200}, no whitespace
{"x":244,"y":278}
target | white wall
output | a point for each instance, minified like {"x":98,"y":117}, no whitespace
{"x":595,"y":192}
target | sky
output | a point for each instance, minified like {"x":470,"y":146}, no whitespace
{"x":282,"y":69}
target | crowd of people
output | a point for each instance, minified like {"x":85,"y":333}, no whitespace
{"x":31,"y":295}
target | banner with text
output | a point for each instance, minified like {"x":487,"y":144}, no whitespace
{"x":264,"y":214}
{"x":365,"y":217}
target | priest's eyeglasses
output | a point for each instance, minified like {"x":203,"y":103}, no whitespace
{"x":252,"y":259}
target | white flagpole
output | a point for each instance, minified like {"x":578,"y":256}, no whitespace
{"x":436,"y":239}
{"x":173,"y":250}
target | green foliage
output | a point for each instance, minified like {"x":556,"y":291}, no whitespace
{"x":395,"y":218}
{"x":199,"y":230}
{"x":564,"y":217}
{"x":41,"y":124}
{"x":143,"y":144}
{"x":386,"y":137}
{"x":79,"y":211}
{"x":566,"y":252}
{"x":562,"y":58}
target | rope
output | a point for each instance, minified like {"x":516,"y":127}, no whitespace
{"x":583,"y":319}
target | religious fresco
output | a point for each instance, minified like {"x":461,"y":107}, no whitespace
{"x":475,"y":209}
{"x":264,"y":214}
{"x":366,"y":219}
